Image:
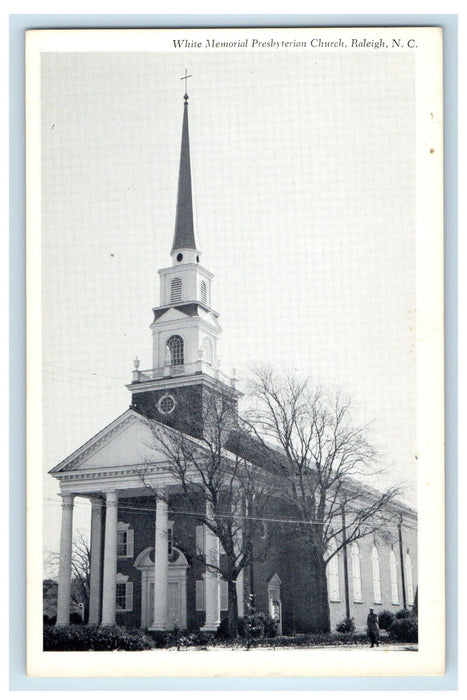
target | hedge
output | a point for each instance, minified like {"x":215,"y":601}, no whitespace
{"x":92,"y":638}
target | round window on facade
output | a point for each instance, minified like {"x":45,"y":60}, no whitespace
{"x":166,"y":404}
{"x":179,"y":257}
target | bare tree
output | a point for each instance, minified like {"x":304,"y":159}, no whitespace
{"x":209,"y":470}
{"x":80,"y":571}
{"x":324,"y":463}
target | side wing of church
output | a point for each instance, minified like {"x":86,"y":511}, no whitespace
{"x":152,"y":560}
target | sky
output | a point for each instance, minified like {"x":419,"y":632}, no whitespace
{"x":304,"y":183}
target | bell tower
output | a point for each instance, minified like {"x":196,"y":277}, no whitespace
{"x":185,"y":373}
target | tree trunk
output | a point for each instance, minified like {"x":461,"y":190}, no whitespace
{"x":233,"y":610}
{"x":320,"y":602}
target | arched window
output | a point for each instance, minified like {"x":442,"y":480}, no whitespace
{"x":394,"y":586}
{"x":356,"y":572}
{"x":207,"y":350}
{"x":175,"y":290}
{"x":175,"y":347}
{"x":333,"y":573}
{"x":204,"y":292}
{"x":409,"y":578}
{"x":376,"y":575}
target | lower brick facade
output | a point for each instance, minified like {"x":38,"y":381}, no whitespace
{"x":286,"y":568}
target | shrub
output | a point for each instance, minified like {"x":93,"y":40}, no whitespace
{"x":385,"y":619}
{"x":346,"y":626}
{"x":242,"y":627}
{"x":180,"y":638}
{"x":402,"y":614}
{"x":256,"y":625}
{"x":404,"y":629}
{"x":259,"y":624}
{"x":84,"y":638}
{"x":269,"y":625}
{"x":223,"y":629}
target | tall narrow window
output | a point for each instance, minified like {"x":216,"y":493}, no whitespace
{"x":376,"y":575}
{"x":200,"y":540}
{"x":123,"y":594}
{"x":224,"y":595}
{"x":333,"y":574}
{"x":170,"y":538}
{"x":175,"y":290}
{"x":125,"y":539}
{"x":394,"y":586}
{"x":175,"y":348}
{"x":199,"y":592}
{"x":356,"y":573}
{"x":409,"y":578}
{"x":204,"y":292}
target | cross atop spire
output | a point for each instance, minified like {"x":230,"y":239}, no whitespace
{"x":185,"y":78}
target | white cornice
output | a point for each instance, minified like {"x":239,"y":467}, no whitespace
{"x":185,"y":321}
{"x":186,"y":266}
{"x":182,"y":380}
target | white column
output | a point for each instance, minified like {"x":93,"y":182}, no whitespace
{"x":211,"y":579}
{"x":110,"y":559}
{"x":161,"y":566}
{"x":95,"y":578}
{"x":64,"y":571}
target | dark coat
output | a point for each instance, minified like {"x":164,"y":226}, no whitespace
{"x":373,"y":626}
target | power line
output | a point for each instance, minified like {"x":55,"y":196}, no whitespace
{"x":226,"y":516}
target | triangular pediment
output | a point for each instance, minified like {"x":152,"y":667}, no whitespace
{"x":172,"y":315}
{"x":127,"y":441}
{"x":211,"y":318}
{"x":274,"y":580}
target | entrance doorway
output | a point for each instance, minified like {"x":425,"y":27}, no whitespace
{"x":176,"y":589}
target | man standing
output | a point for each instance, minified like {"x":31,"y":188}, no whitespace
{"x":373,"y":627}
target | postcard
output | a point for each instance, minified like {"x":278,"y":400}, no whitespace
{"x":235,"y":352}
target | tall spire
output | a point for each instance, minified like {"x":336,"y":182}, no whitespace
{"x":184,"y":236}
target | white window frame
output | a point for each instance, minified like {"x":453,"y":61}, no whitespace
{"x":376,"y":570}
{"x":224,"y":594}
{"x":176,"y":350}
{"x":409,"y":578}
{"x":170,"y":537}
{"x":123,"y":581}
{"x":199,"y":596}
{"x":356,"y":572}
{"x":393,"y":573}
{"x":200,"y":544}
{"x":332,"y":570}
{"x":129,"y":544}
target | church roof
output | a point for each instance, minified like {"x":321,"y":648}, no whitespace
{"x":124,"y":443}
{"x":184,"y":236}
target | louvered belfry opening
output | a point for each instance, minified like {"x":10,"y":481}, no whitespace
{"x":175,"y":290}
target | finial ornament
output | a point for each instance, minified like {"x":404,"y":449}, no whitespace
{"x":185,"y":78}
{"x":136,"y":363}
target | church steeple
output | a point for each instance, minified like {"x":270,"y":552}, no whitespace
{"x":185,"y":372}
{"x":184,"y":246}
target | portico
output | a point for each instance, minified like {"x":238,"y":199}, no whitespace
{"x":157,"y":573}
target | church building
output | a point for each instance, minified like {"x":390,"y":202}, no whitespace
{"x":150,"y":556}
